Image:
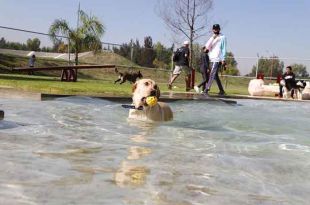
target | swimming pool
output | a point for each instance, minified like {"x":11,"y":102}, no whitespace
{"x":80,"y":150}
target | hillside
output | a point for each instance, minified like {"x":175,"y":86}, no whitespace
{"x":15,"y":58}
{"x":8,"y":61}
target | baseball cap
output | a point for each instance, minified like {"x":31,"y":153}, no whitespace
{"x":216,"y":26}
{"x":186,"y":43}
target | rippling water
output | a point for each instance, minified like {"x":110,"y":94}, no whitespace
{"x":85,"y":151}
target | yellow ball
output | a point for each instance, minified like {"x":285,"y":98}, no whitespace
{"x":151,"y":100}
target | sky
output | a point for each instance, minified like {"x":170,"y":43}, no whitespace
{"x":252,"y":27}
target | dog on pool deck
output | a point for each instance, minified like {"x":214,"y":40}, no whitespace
{"x":131,"y":77}
{"x":296,"y":92}
{"x":141,"y":90}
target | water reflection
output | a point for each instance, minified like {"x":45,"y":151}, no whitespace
{"x":131,"y":172}
{"x":86,"y":152}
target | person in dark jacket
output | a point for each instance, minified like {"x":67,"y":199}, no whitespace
{"x":181,"y":64}
{"x":204,"y":69}
{"x":289,"y":81}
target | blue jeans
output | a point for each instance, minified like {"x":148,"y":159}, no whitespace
{"x":214,"y":75}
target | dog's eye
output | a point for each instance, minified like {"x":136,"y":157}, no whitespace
{"x":155,"y":87}
{"x":146,"y":83}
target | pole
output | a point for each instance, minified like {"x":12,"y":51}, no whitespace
{"x":272,"y":65}
{"x":131,"y":52}
{"x":257,"y":65}
{"x":69,"y":51}
{"x":78,"y":17}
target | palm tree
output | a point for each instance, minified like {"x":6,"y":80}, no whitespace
{"x":85,"y":37}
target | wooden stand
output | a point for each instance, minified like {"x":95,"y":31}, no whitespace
{"x":1,"y":114}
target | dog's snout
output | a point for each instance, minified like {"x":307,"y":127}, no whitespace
{"x":153,"y":92}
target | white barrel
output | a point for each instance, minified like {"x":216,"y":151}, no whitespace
{"x":306,"y":92}
{"x":256,"y":87}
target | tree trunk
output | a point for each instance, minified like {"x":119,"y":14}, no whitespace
{"x":191,"y":49}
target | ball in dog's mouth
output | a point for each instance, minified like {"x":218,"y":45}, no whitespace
{"x":149,"y":100}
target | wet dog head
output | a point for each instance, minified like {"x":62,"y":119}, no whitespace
{"x":142,"y":89}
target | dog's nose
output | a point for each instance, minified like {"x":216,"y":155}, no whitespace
{"x":153,"y":92}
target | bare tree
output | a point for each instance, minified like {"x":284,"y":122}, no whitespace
{"x":186,"y":17}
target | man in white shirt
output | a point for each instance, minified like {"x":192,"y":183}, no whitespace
{"x":216,"y":46}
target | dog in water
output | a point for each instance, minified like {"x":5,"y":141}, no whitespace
{"x":159,"y":112}
{"x":126,"y":76}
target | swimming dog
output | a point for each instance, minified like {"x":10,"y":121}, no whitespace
{"x":141,"y":90}
{"x":131,"y":77}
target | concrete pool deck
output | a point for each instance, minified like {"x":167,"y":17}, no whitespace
{"x":11,"y":93}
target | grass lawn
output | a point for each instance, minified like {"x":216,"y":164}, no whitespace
{"x":96,"y":82}
{"x":94,"y":87}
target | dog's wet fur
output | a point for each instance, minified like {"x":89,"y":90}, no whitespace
{"x":140,"y":91}
{"x":128,"y":76}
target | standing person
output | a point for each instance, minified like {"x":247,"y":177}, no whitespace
{"x":289,"y":81}
{"x":181,"y":59}
{"x":204,"y":69}
{"x":31,"y":63}
{"x":216,"y":46}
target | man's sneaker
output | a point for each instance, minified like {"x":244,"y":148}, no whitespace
{"x":221,"y":93}
{"x":196,"y":88}
{"x":169,"y":86}
{"x":205,"y":93}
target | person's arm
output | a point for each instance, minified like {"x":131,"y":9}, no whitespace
{"x":223,"y":49}
{"x":208,"y":44}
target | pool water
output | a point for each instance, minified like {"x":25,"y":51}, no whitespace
{"x":80,"y":150}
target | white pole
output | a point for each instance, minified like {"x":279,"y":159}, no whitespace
{"x":78,"y":17}
{"x":131,"y":52}
{"x":69,"y":51}
{"x":257,"y":65}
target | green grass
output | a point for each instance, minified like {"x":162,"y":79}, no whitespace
{"x":52,"y":85}
{"x":93,"y":87}
{"x":96,"y":81}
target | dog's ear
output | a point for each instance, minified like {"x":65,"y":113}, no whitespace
{"x":134,"y":86}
